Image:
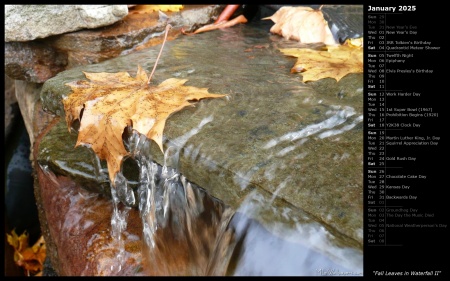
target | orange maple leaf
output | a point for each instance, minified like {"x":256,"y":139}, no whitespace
{"x":112,"y":101}
{"x":31,"y":259}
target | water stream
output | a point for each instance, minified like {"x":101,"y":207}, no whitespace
{"x":266,"y":182}
{"x":188,"y":232}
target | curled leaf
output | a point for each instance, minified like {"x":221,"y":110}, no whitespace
{"x":303,"y":24}
{"x":31,"y":259}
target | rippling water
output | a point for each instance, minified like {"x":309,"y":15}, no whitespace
{"x":286,"y":156}
{"x":188,"y":232}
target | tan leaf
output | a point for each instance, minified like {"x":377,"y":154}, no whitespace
{"x":354,"y":42}
{"x":303,"y":24}
{"x":335,"y":62}
{"x":141,"y":9}
{"x":112,"y":101}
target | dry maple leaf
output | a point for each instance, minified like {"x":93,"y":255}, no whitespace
{"x":335,"y":62}
{"x":354,"y":42}
{"x":303,"y":24}
{"x":112,"y":101}
{"x":142,"y":9}
{"x":31,"y":259}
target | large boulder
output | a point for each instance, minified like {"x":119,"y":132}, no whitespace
{"x":29,"y":22}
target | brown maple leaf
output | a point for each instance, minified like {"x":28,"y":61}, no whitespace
{"x":335,"y":62}
{"x":303,"y":24}
{"x":112,"y":101}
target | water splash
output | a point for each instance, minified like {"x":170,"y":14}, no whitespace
{"x":100,"y":173}
{"x":187,"y":232}
{"x":175,"y":213}
{"x":119,"y":218}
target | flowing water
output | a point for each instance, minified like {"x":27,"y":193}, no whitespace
{"x":188,"y":232}
{"x":283,"y":157}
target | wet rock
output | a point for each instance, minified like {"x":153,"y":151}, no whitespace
{"x":134,"y":32}
{"x":48,"y":269}
{"x":27,"y":94}
{"x":33,"y":61}
{"x":29,"y":22}
{"x":59,"y":141}
{"x":38,"y":60}
{"x":301,"y":144}
{"x":30,"y":108}
{"x":11,"y":108}
{"x":76,"y":225}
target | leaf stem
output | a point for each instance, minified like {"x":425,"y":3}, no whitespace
{"x":168,"y":26}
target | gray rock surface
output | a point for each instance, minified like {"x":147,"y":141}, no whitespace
{"x":29,"y":22}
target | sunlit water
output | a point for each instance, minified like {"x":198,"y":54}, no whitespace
{"x":188,"y":232}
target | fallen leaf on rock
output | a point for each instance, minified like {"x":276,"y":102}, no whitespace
{"x":112,"y":101}
{"x":354,"y":42}
{"x":219,"y":25}
{"x":303,"y":24}
{"x":31,"y":259}
{"x":335,"y":62}
{"x":141,"y":9}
